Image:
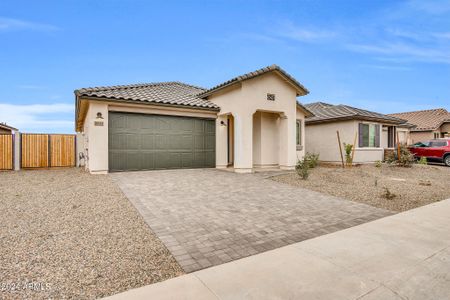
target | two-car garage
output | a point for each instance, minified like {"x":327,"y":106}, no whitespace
{"x":152,"y":142}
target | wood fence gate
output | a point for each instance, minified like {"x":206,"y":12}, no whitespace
{"x":6,"y":151}
{"x":47,"y":150}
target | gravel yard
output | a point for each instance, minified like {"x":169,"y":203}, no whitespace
{"x":74,"y":235}
{"x":409,"y":187}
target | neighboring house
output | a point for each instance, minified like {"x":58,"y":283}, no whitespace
{"x":253,"y":120}
{"x":430,"y":124}
{"x":6,"y":129}
{"x":374,"y":132}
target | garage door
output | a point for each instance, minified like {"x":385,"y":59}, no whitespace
{"x":152,"y":142}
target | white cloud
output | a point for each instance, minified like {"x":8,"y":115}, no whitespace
{"x":9,"y":24}
{"x":404,"y":52}
{"x":388,"y":67}
{"x":56,"y":117}
{"x":304,"y":33}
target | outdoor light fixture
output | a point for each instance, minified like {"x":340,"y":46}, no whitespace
{"x":222,"y":123}
{"x":99,"y":116}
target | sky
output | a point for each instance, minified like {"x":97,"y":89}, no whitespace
{"x":385,"y":56}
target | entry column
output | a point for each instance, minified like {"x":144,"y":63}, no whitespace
{"x":243,"y":143}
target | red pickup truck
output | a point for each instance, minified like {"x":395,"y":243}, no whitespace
{"x":437,"y":150}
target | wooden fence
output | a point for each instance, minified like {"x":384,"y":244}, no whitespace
{"x":6,"y":152}
{"x":47,"y":150}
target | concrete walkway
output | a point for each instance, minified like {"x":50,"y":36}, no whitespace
{"x":405,"y":256}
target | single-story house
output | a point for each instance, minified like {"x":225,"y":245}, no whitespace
{"x":251,"y":121}
{"x":429,"y":124}
{"x":374,"y":132}
{"x":6,"y":129}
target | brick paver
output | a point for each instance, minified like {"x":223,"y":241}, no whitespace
{"x":207,"y":217}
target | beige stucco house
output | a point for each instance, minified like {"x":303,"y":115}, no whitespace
{"x":251,"y":121}
{"x":374,"y":132}
{"x":429,"y":124}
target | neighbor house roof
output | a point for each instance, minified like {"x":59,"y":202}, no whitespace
{"x":425,"y":120}
{"x":162,"y":93}
{"x":301,"y":90}
{"x":7,"y":127}
{"x":325,"y":112}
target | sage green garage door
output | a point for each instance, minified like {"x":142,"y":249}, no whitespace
{"x":152,"y":142}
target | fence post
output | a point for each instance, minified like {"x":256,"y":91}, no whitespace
{"x":17,"y":151}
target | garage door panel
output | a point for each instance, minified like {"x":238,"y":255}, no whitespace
{"x":147,"y":160}
{"x":148,"y":142}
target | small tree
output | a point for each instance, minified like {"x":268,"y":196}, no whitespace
{"x":302,"y":168}
{"x":348,"y":153}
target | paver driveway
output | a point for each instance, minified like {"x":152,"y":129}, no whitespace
{"x":207,"y":217}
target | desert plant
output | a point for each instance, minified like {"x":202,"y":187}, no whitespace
{"x":406,"y":158}
{"x":312,"y":159}
{"x":302,"y":168}
{"x":390,"y":157}
{"x":422,"y":161}
{"x":388,"y":194}
{"x":348,"y":153}
{"x":378,"y":164}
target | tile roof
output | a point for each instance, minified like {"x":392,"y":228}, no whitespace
{"x":425,"y":120}
{"x":301,"y":90}
{"x":162,"y":93}
{"x":325,"y":112}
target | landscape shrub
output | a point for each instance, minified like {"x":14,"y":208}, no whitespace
{"x":302,"y":168}
{"x":312,"y":159}
{"x":422,"y":161}
{"x":378,"y":164}
{"x":406,"y":157}
{"x":348,"y":153}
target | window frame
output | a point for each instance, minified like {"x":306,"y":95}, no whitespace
{"x":376,"y":135}
{"x":298,"y":134}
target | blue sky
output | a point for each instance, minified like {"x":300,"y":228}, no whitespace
{"x":386,"y":56}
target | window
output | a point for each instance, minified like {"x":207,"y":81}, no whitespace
{"x":436,"y":135}
{"x":438,"y":143}
{"x":299,"y":132}
{"x":369,"y":135}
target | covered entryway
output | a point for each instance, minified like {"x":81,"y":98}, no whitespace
{"x":151,"y":142}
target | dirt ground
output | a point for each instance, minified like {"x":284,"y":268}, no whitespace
{"x":389,"y":187}
{"x":66,"y":234}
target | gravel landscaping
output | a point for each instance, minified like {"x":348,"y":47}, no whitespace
{"x":68,"y":234}
{"x":389,"y":187}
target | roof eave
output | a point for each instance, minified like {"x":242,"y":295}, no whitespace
{"x":353,"y":117}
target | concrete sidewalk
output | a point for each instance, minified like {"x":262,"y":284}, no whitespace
{"x":405,"y":256}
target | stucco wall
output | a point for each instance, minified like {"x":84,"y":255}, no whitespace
{"x":445,"y":127}
{"x":322,"y":139}
{"x":421,"y":136}
{"x":242,"y":101}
